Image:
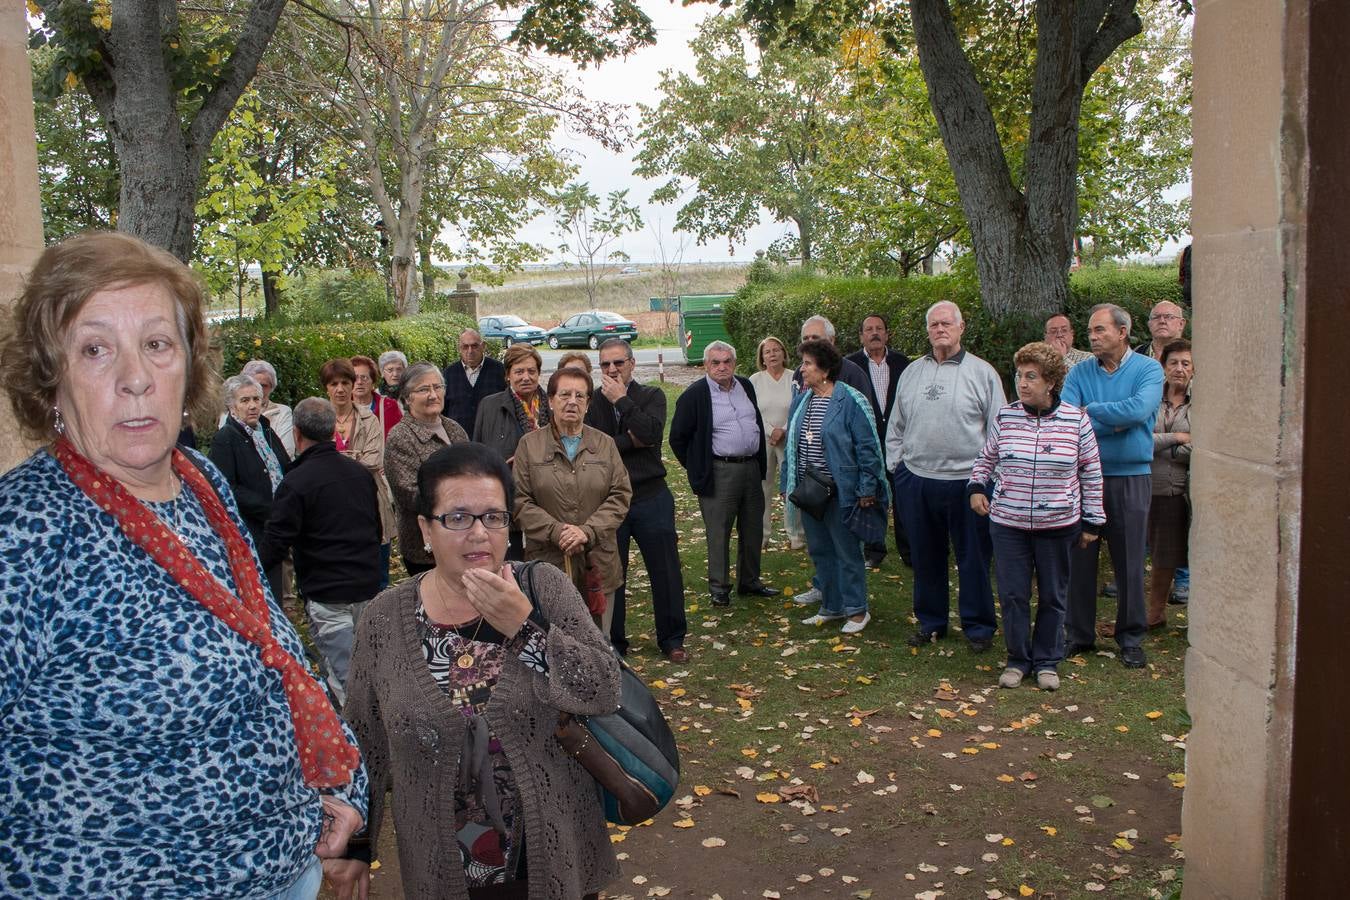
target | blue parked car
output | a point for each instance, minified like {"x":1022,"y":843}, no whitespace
{"x":510,"y":330}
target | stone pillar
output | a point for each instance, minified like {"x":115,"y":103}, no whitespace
{"x":20,"y":203}
{"x":464,"y":299}
{"x":1266,"y":785}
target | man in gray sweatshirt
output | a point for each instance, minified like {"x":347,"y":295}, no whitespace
{"x":944,"y":405}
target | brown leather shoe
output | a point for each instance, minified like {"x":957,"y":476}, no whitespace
{"x":677,"y":655}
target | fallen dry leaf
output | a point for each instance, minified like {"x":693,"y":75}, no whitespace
{"x":865,"y":777}
{"x":702,"y":790}
{"x":768,"y":797}
{"x":714,"y":842}
{"x":683,"y":823}
{"x":1153,"y":715}
{"x":1006,"y":778}
{"x":1026,"y":890}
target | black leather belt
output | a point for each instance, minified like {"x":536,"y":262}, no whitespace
{"x":734,"y":459}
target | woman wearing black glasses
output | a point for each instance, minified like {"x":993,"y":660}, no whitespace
{"x":420,"y":433}
{"x":456,"y":684}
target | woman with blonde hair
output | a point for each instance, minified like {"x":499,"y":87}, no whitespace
{"x":773,"y":392}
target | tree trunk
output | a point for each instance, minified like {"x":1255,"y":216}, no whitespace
{"x":1023,"y":242}
{"x":271,"y":293}
{"x":428,"y":270}
{"x":159,"y":154}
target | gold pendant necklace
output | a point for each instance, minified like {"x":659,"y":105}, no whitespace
{"x":466,"y":659}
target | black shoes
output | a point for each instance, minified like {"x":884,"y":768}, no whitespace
{"x":758,"y":590}
{"x":1132,"y":657}
{"x":923,"y":638}
{"x":721,"y":598}
{"x":1075,"y":649}
{"x":874,"y":560}
{"x":980,"y":645}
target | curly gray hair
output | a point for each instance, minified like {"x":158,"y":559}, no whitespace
{"x":234,"y":384}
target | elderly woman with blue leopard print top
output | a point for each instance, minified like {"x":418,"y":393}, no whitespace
{"x":159,"y":733}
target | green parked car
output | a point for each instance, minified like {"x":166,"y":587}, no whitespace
{"x":591,"y":329}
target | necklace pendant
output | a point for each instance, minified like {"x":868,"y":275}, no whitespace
{"x":465,"y":661}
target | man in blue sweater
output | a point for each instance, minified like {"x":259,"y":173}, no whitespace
{"x":1120,"y":392}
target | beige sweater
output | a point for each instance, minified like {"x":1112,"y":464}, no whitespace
{"x":411,"y":733}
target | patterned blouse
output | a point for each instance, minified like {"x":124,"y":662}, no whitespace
{"x":486,"y":803}
{"x":145,"y":750}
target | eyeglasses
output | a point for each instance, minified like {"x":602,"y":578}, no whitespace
{"x":363,"y":379}
{"x":427,"y":389}
{"x":496,"y":519}
{"x":579,"y":396}
{"x":1058,"y":332}
{"x":613,"y":363}
{"x":1163,"y":317}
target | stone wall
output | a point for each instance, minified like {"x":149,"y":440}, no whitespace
{"x":1248,"y":227}
{"x":20,"y":211}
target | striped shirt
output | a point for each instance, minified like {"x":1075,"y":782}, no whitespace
{"x":812,"y":442}
{"x":1047,"y":467}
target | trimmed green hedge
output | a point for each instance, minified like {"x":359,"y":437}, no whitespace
{"x":779,"y":306}
{"x":298,"y":351}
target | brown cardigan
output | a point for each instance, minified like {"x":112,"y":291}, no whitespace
{"x":408,"y":445}
{"x":411,"y":733}
{"x":593,"y":492}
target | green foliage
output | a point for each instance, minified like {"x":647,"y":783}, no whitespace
{"x":588,"y":230}
{"x":298,"y":351}
{"x":780,"y":306}
{"x":336,"y":295}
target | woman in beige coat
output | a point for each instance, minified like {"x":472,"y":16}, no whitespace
{"x":360,"y":436}
{"x":572,"y":490}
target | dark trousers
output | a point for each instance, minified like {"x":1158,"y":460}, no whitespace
{"x":935,"y":511}
{"x":1017,"y":554}
{"x":737,"y":499}
{"x":1126,"y":498}
{"x":651,"y":522}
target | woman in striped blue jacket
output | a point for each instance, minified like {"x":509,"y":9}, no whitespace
{"x":1041,"y":458}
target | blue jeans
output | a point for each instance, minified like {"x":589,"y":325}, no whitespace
{"x":935,"y":511}
{"x":1182,"y":578}
{"x":841,"y":573}
{"x":1017,"y":554}
{"x":306,"y":887}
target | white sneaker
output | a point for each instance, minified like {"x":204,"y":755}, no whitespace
{"x":820,"y":619}
{"x":853,"y":627}
{"x":808,"y":598}
{"x":1010,"y":678}
{"x":1047,"y":680}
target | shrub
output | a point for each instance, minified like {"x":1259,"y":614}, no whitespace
{"x":297,"y":351}
{"x":780,"y":306}
{"x":336,"y":295}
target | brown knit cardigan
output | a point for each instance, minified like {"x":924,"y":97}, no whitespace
{"x":411,"y":733}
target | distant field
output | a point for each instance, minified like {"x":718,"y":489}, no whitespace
{"x":548,"y":303}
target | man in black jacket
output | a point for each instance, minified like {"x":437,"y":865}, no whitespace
{"x":469,"y":380}
{"x":327,"y":512}
{"x":882,"y":366}
{"x":719,"y":439}
{"x":635,"y":416}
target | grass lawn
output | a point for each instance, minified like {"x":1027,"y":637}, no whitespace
{"x":907,"y":770}
{"x":815,"y":765}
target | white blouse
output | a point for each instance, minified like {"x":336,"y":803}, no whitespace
{"x":774,"y":397}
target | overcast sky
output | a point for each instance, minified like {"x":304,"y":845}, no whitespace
{"x":628,"y":82}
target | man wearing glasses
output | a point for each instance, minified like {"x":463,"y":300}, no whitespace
{"x":1166,"y":323}
{"x":718,"y":436}
{"x":470,"y":379}
{"x":326,"y":512}
{"x":1059,"y":334}
{"x":635,"y":416}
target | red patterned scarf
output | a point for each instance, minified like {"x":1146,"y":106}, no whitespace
{"x":326,"y":757}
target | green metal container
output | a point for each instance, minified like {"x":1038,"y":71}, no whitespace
{"x":699,"y":328}
{"x":699,"y":302}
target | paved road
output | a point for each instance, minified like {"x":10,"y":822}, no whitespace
{"x":646,"y":356}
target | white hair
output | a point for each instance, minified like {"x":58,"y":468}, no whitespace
{"x":389,"y":356}
{"x":235,"y":383}
{"x":829,"y":327}
{"x":927,"y":317}
{"x":718,"y":345}
{"x":261,"y":367}
{"x":1119,"y":317}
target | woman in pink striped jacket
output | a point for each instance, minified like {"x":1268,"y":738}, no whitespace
{"x":1041,"y":459}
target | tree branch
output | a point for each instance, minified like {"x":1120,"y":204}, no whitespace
{"x":1119,"y":24}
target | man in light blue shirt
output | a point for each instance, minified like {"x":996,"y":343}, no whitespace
{"x":1120,"y":392}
